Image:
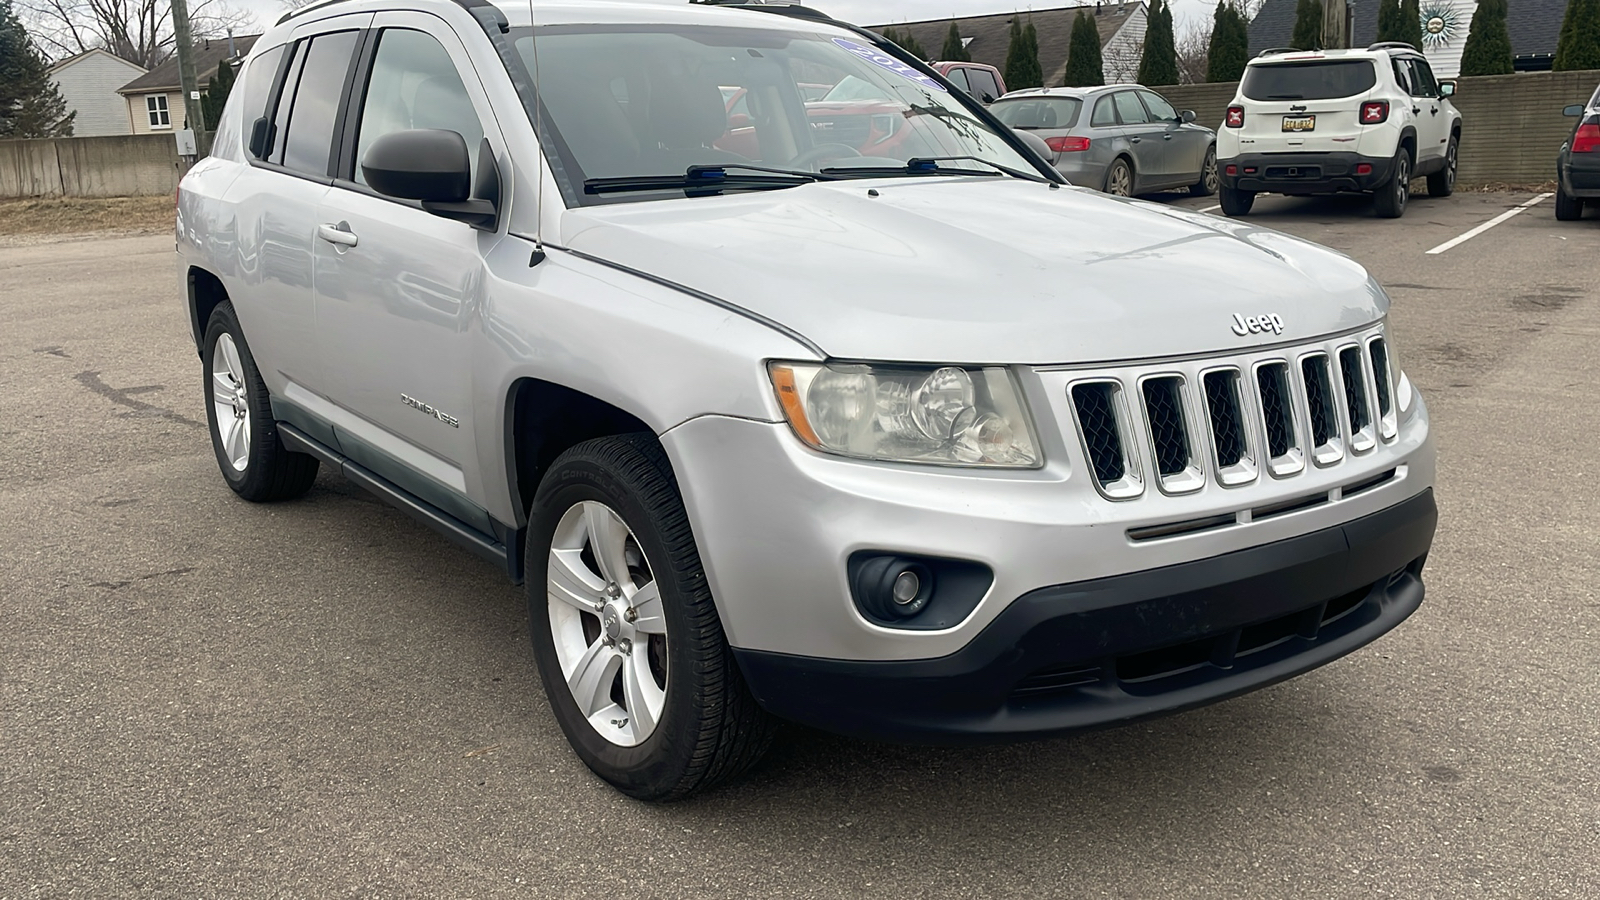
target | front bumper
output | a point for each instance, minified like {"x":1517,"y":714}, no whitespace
{"x":1304,"y":173}
{"x":1126,"y":647}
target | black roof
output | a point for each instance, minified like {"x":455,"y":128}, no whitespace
{"x":1535,"y":25}
{"x":207,"y":55}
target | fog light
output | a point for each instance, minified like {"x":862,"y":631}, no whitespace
{"x":906,"y":587}
{"x":1363,"y":168}
{"x":893,"y":587}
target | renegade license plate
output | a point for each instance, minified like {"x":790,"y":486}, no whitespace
{"x":1299,"y":123}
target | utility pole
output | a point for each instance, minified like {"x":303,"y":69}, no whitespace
{"x":193,"y":117}
{"x":1334,"y":35}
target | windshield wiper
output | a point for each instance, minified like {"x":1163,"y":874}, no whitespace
{"x":1286,"y":96}
{"x":929,"y":165}
{"x":708,"y":179}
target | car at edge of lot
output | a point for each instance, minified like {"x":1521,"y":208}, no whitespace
{"x":1326,"y":121}
{"x":930,"y":448}
{"x":1124,"y":139}
{"x":1578,"y":165}
{"x":981,"y":81}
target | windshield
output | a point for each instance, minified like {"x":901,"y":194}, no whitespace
{"x":626,"y":101}
{"x":1035,"y":113}
{"x":1320,"y":80}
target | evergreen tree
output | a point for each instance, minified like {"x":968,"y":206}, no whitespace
{"x":1022,"y":57}
{"x":216,"y":96}
{"x":1159,"y":64}
{"x":1411,"y":23}
{"x":954,"y":50}
{"x":1308,"y":25}
{"x":1579,"y":45}
{"x":30,"y":105}
{"x":1389,"y":16}
{"x":1230,"y":44}
{"x":907,"y":42}
{"x":1085,"y":66}
{"x":1488,"y":49}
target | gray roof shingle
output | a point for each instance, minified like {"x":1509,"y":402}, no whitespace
{"x":207,"y":55}
{"x":991,"y":35}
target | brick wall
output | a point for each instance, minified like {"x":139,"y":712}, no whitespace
{"x":1511,"y":125}
{"x":113,"y":166}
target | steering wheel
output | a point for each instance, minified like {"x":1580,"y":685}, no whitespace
{"x":821,"y":152}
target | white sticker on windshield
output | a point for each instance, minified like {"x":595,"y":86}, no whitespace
{"x":884,"y":61}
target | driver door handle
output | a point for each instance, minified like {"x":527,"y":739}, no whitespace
{"x":334,"y":234}
{"x":1135,"y":140}
{"x":1435,"y":110}
{"x":1166,"y":137}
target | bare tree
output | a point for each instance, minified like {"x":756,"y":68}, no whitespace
{"x":1194,"y":48}
{"x":139,"y":31}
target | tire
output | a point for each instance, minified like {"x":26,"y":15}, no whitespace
{"x":1119,"y":178}
{"x":239,"y":415}
{"x":1443,"y":182}
{"x":1209,"y":181}
{"x":1236,"y":203}
{"x":703,"y":726}
{"x":1390,"y":199}
{"x":1568,"y":207}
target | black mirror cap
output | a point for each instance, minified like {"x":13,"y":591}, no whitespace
{"x":424,"y":164}
{"x":1187,"y":116}
{"x":1575,"y":109}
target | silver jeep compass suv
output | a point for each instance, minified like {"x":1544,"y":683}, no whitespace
{"x":845,"y":413}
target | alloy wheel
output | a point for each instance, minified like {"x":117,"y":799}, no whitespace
{"x":1402,"y":180}
{"x":1120,"y":183}
{"x":1210,"y":176}
{"x":608,"y":623}
{"x":228,"y":398}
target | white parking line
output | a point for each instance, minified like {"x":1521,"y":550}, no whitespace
{"x":1462,"y":239}
{"x":1210,"y":208}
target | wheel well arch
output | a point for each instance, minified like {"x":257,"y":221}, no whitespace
{"x":543,"y":420}
{"x":205,"y":292}
{"x":1408,"y":141}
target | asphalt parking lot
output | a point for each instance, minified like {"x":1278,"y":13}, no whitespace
{"x":202,"y":697}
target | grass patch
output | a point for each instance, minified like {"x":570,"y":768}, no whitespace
{"x":72,"y":215}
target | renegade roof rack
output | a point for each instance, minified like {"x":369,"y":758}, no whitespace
{"x":1393,"y":45}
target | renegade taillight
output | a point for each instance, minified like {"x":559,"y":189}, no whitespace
{"x":1067,"y":144}
{"x":1375,"y":112}
{"x":1235,"y":117}
{"x":1587,"y":140}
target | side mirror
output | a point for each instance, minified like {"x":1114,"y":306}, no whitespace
{"x":432,"y":166}
{"x":1575,"y":109}
{"x":1187,"y":116}
{"x":260,"y":137}
{"x":1447,"y":88}
{"x":1035,"y":143}
{"x":988,"y":98}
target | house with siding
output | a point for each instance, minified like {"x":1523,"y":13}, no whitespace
{"x":1121,"y":27}
{"x":1534,"y":26}
{"x":153,"y":102}
{"x":89,"y":82}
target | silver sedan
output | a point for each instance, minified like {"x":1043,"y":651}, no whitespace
{"x":1122,"y":139}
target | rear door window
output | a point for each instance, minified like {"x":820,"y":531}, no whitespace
{"x":1320,"y":80}
{"x":1129,"y":109}
{"x":315,"y":110}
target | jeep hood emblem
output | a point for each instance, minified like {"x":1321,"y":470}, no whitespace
{"x":1244,"y":326}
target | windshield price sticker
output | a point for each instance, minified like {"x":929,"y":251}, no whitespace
{"x":884,"y":61}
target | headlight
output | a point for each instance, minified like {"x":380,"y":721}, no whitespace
{"x":948,"y":416}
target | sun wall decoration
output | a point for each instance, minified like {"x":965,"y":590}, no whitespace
{"x":1441,"y":24}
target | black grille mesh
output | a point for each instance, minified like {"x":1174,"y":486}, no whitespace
{"x":1164,"y":404}
{"x":1273,"y":380}
{"x":1380,"y":376}
{"x":1355,"y":388}
{"x":1099,"y":424}
{"x":1319,"y":397}
{"x":1227,"y":425}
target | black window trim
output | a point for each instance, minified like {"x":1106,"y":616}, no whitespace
{"x":275,"y":97}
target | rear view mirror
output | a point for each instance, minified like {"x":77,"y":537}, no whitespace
{"x":1575,"y":109}
{"x":1034,"y":142}
{"x":1447,"y":88}
{"x":988,"y":98}
{"x":1187,"y":116}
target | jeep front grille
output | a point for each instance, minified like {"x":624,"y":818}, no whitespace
{"x":1199,"y":422}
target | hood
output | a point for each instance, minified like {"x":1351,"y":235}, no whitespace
{"x":983,"y":270}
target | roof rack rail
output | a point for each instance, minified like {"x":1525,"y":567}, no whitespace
{"x":1280,"y":50}
{"x":1394,"y":45}
{"x":310,"y":7}
{"x":783,"y":9}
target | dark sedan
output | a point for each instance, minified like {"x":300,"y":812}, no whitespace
{"x":1578,"y":166}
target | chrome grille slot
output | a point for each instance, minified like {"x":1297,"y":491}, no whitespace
{"x":1169,"y":439}
{"x":1357,"y":405}
{"x":1383,"y":385}
{"x":1327,"y":447}
{"x":1226,"y":414}
{"x":1103,"y":424}
{"x":1284,"y":456}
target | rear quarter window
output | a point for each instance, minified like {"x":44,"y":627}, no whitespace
{"x":1320,"y":80}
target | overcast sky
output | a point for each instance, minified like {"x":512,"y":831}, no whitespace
{"x":865,"y":12}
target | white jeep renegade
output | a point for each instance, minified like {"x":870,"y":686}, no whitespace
{"x":1338,"y":120}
